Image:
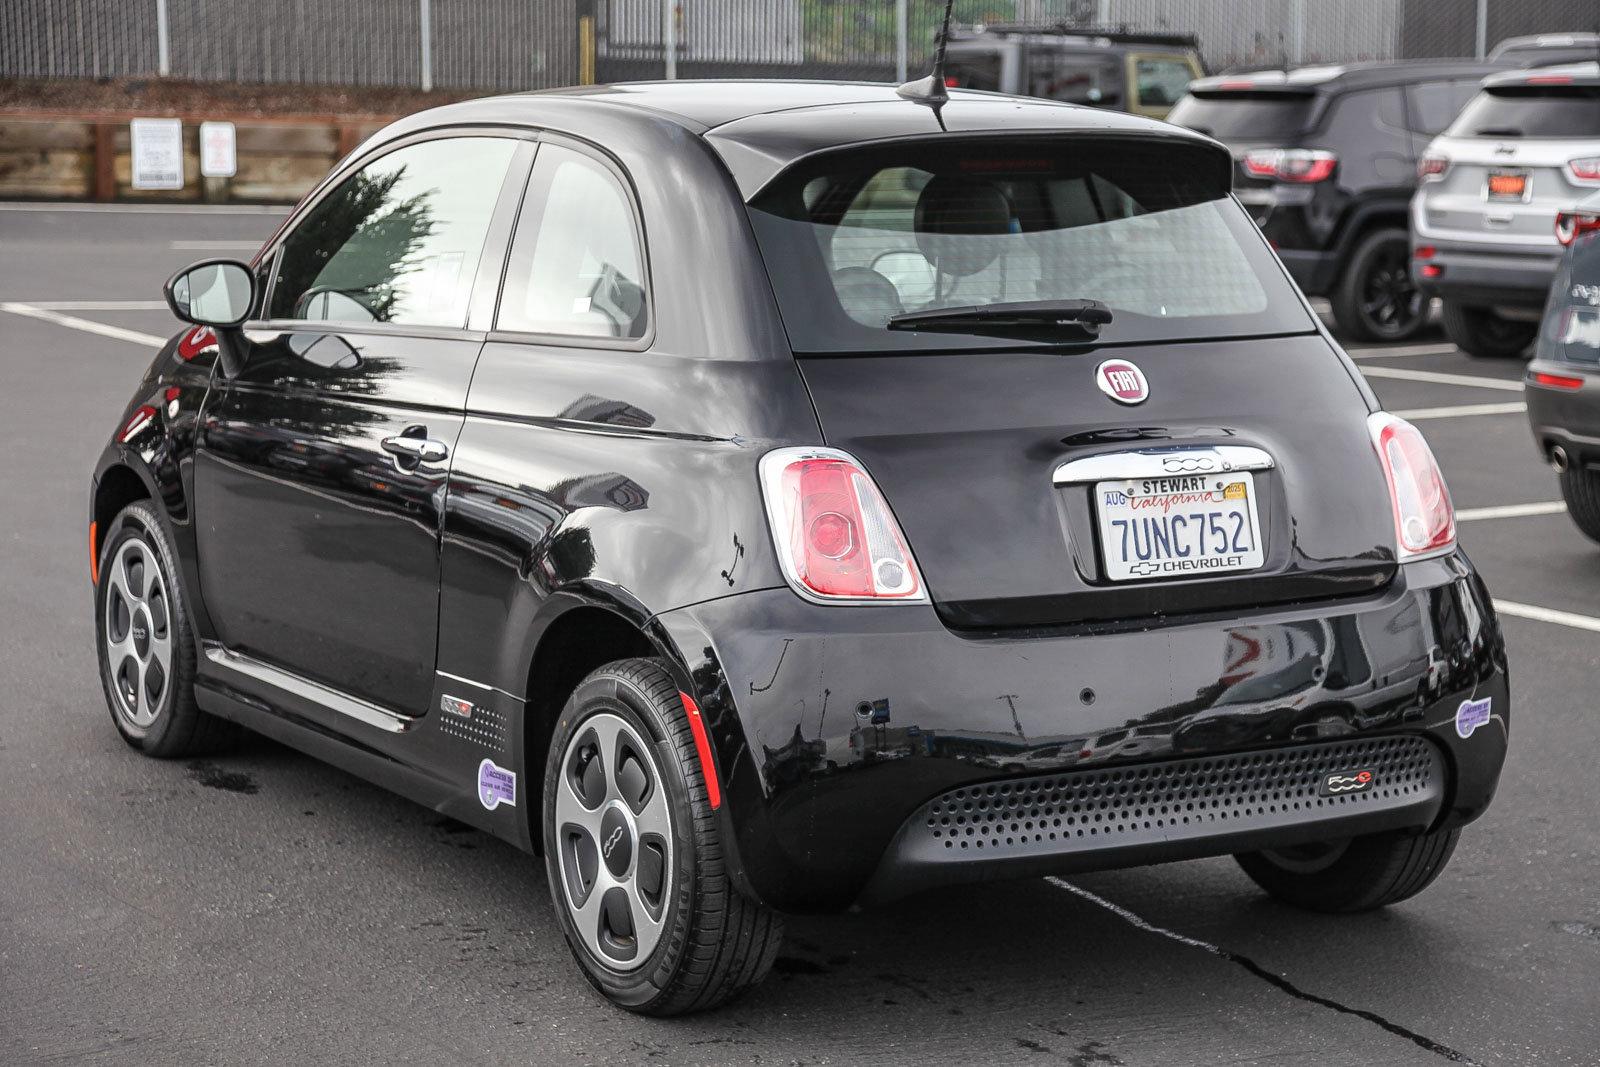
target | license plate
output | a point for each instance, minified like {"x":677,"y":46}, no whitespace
{"x":1507,"y":185}
{"x":1174,"y":527}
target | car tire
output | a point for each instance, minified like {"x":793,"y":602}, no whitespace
{"x":146,"y":644}
{"x":693,"y":941}
{"x":1580,"y":488}
{"x":1480,"y":332}
{"x":1376,"y":298}
{"x":1359,"y":874}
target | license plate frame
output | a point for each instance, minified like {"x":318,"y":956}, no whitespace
{"x":1152,"y":547}
{"x":1506,"y":186}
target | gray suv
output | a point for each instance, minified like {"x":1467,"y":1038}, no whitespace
{"x":1483,"y":218}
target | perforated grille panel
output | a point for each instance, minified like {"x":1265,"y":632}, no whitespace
{"x":1174,"y":800}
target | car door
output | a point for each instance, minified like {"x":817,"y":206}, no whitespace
{"x":321,"y":464}
{"x":558,"y":446}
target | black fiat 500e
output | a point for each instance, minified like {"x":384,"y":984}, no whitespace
{"x":771,"y":497}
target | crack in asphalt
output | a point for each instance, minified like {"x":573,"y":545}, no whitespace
{"x":1277,"y":981}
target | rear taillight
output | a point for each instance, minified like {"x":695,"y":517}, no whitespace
{"x":1290,"y":164}
{"x":1586,"y":170}
{"x":1432,"y":168}
{"x":837,"y":540}
{"x":1571,"y":225}
{"x":1556,"y":381}
{"x":1424,"y":518}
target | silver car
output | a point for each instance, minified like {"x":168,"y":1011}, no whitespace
{"x":1483,"y":217}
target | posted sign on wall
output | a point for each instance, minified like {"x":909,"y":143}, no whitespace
{"x":157,"y":146}
{"x":219,"y":157}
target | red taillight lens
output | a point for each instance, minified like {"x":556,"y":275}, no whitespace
{"x":1261,"y":163}
{"x":1432,"y":168}
{"x":1586,"y":170}
{"x":836,"y":538}
{"x":1571,"y":225}
{"x":1424,"y":252}
{"x":1290,"y":164}
{"x":1424,"y":518}
{"x":1557,"y":381}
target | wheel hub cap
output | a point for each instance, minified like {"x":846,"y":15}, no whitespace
{"x":614,"y":851}
{"x":138,"y":634}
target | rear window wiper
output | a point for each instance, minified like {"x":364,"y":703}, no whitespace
{"x":1087,"y":315}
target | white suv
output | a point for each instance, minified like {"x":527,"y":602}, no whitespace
{"x":1483,"y":218}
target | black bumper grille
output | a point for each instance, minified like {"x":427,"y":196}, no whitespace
{"x":1176,"y":801}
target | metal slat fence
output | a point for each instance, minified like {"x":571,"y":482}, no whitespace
{"x":529,"y":44}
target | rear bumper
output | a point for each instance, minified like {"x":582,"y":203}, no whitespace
{"x":1482,"y":276}
{"x":1566,"y":417}
{"x":836,"y":728}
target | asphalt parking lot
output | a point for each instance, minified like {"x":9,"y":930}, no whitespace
{"x":263,"y":907}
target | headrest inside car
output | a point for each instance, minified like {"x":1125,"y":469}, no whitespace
{"x":959,"y":222}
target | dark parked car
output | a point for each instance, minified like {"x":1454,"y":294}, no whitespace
{"x":1563,"y":379}
{"x":1144,"y":73}
{"x":1326,"y":162}
{"x":770,"y":497}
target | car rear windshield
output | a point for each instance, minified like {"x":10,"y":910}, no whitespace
{"x":1145,"y":227}
{"x":1235,"y":115}
{"x":1565,"y":111}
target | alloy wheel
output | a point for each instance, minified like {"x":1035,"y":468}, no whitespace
{"x":1390,"y":299}
{"x":138,"y":633}
{"x":613,"y":825}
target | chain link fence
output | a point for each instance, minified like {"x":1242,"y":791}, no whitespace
{"x":528,"y":44}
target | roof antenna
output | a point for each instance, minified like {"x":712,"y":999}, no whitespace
{"x":931,"y":91}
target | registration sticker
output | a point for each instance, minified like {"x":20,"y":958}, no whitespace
{"x":1471,"y":715}
{"x":1178,"y":526}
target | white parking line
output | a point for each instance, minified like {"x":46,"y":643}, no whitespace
{"x":1440,"y":378}
{"x":74,"y":323}
{"x":214,"y":246}
{"x":1511,"y":511}
{"x":1462,"y":411}
{"x":1401,"y":350}
{"x":1538,"y":614}
{"x":97,"y":305}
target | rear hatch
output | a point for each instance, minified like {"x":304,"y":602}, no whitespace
{"x":996,"y":438}
{"x":1248,"y":113}
{"x":1509,"y":158}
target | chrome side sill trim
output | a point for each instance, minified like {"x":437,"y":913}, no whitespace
{"x":1163,"y":463}
{"x":332,"y":699}
{"x":477,"y":685}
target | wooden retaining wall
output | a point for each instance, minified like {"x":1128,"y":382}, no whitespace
{"x":86,"y":157}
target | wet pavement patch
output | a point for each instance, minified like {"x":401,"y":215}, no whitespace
{"x":213,"y":777}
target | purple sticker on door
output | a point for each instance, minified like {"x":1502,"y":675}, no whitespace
{"x":496,"y":785}
{"x":1471,"y":715}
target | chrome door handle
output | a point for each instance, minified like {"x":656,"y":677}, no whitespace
{"x":418,"y":449}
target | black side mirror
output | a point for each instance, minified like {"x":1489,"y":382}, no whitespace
{"x":216,"y":292}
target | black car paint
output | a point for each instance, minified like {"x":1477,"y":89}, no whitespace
{"x":587,"y":481}
{"x":1563,"y":415}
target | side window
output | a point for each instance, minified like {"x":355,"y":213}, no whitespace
{"x":576,"y":260}
{"x":1077,"y":77}
{"x":1160,"y":80}
{"x":399,"y":241}
{"x":1434,"y":105}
